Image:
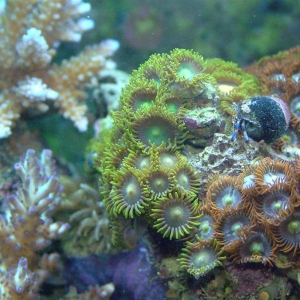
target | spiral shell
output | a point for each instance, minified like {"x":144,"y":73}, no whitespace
{"x":266,"y":118}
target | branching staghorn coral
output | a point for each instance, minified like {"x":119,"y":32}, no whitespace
{"x":30,"y":32}
{"x":109,"y":91}
{"x":26,"y":227}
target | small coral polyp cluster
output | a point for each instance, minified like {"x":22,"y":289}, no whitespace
{"x":148,"y":181}
{"x":253,"y":217}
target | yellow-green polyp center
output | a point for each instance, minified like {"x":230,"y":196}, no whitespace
{"x":203,"y":258}
{"x":257,"y":248}
{"x":173,"y":105}
{"x":228,"y":200}
{"x":236,"y":227}
{"x":168,"y":160}
{"x":131,"y":191}
{"x":176,"y":214}
{"x":228,"y":196}
{"x":159,"y":182}
{"x":294,"y":227}
{"x":226,"y":87}
{"x":277,"y":205}
{"x":186,"y":72}
{"x":144,"y":104}
{"x":183,"y":180}
{"x":143,"y":162}
{"x":205,"y":227}
{"x":156,"y":131}
{"x":189,"y":68}
{"x":144,"y":101}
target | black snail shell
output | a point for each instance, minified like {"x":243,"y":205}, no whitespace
{"x":266,"y":118}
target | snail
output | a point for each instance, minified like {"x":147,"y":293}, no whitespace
{"x":261,"y":118}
